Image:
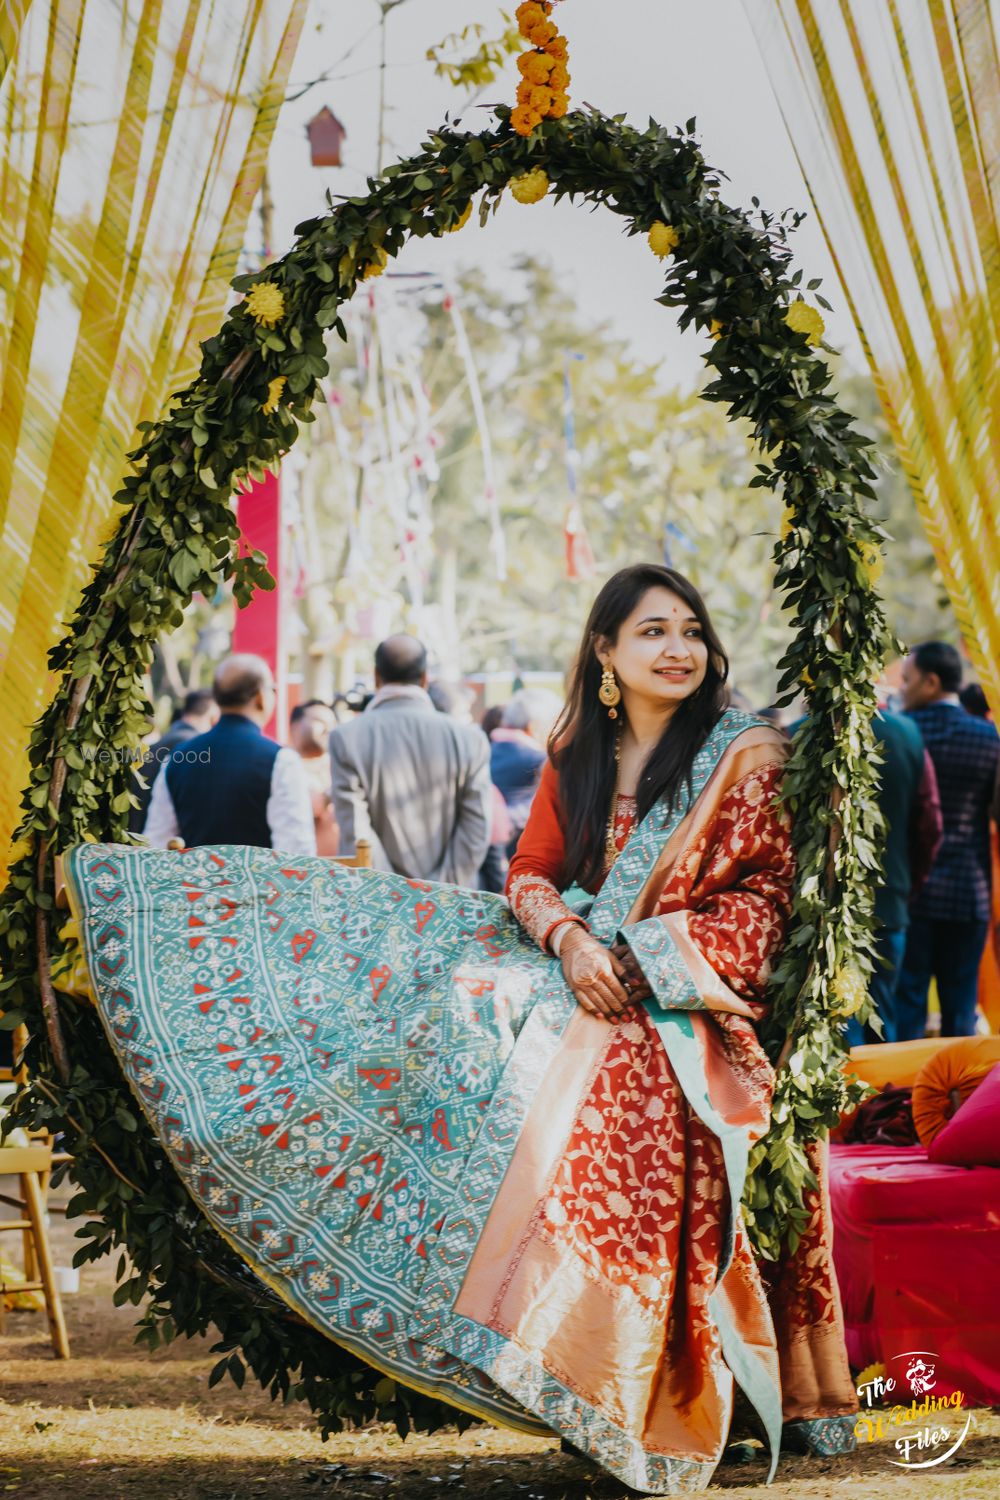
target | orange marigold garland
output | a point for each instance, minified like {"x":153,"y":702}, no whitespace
{"x":541,"y":93}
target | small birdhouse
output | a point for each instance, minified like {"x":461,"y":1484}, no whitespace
{"x":326,"y":136}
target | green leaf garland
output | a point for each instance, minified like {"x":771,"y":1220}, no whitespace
{"x":729,"y":276}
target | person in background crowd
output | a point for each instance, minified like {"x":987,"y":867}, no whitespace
{"x":451,"y":699}
{"x":197,"y":715}
{"x":233,"y":785}
{"x":909,"y":802}
{"x":950,"y":919}
{"x":518,"y":753}
{"x":414,"y":782}
{"x":310,"y":726}
{"x":492,"y":719}
{"x":493,"y":872}
{"x":973,"y":700}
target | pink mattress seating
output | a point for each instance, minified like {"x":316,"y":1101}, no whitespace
{"x":917,"y":1249}
{"x":917,"y":1253}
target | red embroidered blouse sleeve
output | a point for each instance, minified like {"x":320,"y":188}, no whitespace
{"x":742,"y":897}
{"x":537,"y":872}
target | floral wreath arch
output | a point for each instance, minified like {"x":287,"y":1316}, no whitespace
{"x":729,"y":274}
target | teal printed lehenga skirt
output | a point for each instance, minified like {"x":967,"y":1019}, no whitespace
{"x":385,"y":1098}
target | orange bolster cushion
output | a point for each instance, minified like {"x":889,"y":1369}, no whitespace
{"x":948,"y":1078}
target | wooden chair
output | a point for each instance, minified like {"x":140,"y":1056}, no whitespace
{"x":31,"y":1164}
{"x":361,"y":859}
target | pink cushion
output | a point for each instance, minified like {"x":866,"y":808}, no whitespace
{"x":971,"y":1137}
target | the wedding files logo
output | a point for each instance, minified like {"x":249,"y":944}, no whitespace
{"x":924,"y":1431}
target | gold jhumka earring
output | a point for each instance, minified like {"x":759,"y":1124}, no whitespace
{"x":609,"y":692}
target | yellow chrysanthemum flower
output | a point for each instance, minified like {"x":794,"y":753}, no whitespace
{"x":535,"y":67}
{"x":274,"y":390}
{"x":872,"y":561}
{"x":848,"y":990}
{"x":266,"y":303}
{"x":524,"y":92}
{"x":375,"y":267}
{"x":461,"y":221}
{"x":559,"y":105}
{"x":663,"y":239}
{"x":540,"y":99}
{"x":542,"y":33}
{"x":530,"y":187}
{"x":871,"y":1372}
{"x":558,"y":77}
{"x":558,"y":48}
{"x":529,"y":14}
{"x":523,"y":119}
{"x":802,"y":318}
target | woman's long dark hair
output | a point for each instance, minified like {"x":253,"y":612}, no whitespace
{"x":582,"y":743}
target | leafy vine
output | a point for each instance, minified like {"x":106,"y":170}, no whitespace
{"x":729,"y":273}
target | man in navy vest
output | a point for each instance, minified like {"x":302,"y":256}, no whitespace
{"x":233,"y":785}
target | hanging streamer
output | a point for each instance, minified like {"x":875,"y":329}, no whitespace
{"x":497,"y":540}
{"x":894,"y":113}
{"x":579,"y":554}
{"x":123,"y":208}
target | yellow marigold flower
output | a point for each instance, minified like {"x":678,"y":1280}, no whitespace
{"x":540,"y":99}
{"x":523,"y":119}
{"x":461,"y":221}
{"x":558,"y":106}
{"x":871,"y":1372}
{"x":802,"y":318}
{"x":542,"y":33}
{"x":806,"y":678}
{"x":528,"y":15}
{"x":274,"y":390}
{"x":535,"y":67}
{"x":524,"y":91}
{"x":663,"y":239}
{"x":849,"y":991}
{"x":375,"y":267}
{"x":558,"y":77}
{"x":530,"y":186}
{"x":715,"y":329}
{"x":558,"y":48}
{"x":266,"y":303}
{"x":872,"y":561}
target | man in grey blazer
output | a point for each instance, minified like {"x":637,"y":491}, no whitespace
{"x":413,"y":782}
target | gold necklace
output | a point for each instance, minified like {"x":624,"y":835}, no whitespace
{"x":610,"y":846}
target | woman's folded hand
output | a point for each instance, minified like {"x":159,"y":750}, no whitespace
{"x":634,"y":979}
{"x":594,"y":974}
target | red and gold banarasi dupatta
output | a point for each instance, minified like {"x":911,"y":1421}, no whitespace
{"x":642,"y":1194}
{"x":385,"y":1098}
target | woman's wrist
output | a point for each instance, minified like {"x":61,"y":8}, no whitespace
{"x":567,"y":936}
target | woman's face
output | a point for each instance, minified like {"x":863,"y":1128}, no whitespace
{"x":660,"y":655}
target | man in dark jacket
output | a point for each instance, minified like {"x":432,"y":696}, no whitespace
{"x":908,"y":800}
{"x":198,"y":715}
{"x":950,"y":919}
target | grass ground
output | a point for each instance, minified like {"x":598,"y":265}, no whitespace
{"x":114,"y":1423}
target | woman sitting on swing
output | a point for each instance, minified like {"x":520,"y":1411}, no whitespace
{"x":499,"y":1153}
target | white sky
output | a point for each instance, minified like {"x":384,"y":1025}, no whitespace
{"x":669,"y":59}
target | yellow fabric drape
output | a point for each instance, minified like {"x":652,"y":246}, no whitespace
{"x":893,"y":109}
{"x":133,"y":138}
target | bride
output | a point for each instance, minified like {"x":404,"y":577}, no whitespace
{"x":498,"y":1151}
